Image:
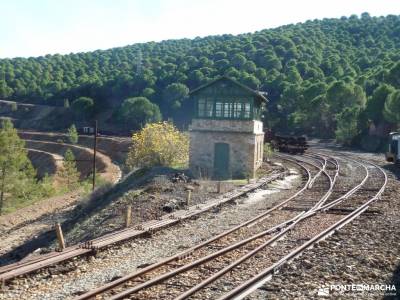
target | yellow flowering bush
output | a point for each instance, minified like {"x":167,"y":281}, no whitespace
{"x":158,"y":144}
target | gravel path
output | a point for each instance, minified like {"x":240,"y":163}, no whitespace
{"x":83,"y":274}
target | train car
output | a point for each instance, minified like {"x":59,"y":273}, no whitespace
{"x":393,"y":154}
{"x":287,"y":144}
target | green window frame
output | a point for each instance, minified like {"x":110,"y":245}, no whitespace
{"x":238,"y":110}
{"x":219,"y":109}
{"x":227,"y":111}
{"x":247,"y":111}
{"x":201,"y":107}
{"x":225,"y":108}
{"x":205,"y":107}
{"x":209,"y":108}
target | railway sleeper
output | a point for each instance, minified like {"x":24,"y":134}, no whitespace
{"x":178,"y":285}
{"x":298,"y":208}
{"x":345,"y":211}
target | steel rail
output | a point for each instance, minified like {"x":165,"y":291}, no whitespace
{"x":209,"y":257}
{"x":324,"y":164}
{"x":244,"y":289}
{"x":326,"y":206}
{"x":221,"y":272}
{"x":332,"y":183}
{"x":254,"y":220}
{"x":8,"y":272}
{"x":228,"y":268}
{"x":322,"y":171}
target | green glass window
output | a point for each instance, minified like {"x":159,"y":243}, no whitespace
{"x":238,"y":110}
{"x":224,"y":108}
{"x":201,"y":107}
{"x":219,"y":109}
{"x":205,"y":108}
{"x":247,"y":110}
{"x":209,"y":108}
{"x":227,"y":110}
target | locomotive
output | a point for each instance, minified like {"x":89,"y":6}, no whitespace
{"x":393,"y":154}
{"x":287,"y":144}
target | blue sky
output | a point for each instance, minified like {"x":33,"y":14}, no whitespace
{"x":40,"y":27}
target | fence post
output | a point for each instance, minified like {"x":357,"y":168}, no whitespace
{"x":128,"y":216}
{"x":219,"y":187}
{"x":189,"y":196}
{"x":60,"y":237}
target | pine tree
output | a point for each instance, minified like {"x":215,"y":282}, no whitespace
{"x":66,"y":103}
{"x":69,"y":175}
{"x":17,"y":176}
{"x":73,"y":134}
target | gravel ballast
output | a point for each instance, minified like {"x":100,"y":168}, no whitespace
{"x":365,"y":252}
{"x":84,"y":274}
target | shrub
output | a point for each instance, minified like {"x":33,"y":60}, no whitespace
{"x":158,"y":144}
{"x":73,"y":134}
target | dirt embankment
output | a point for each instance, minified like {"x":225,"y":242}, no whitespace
{"x":27,"y":223}
{"x":20,"y":226}
{"x":84,"y":159}
{"x":114,"y":147}
{"x":46,"y":155}
{"x":45,"y":162}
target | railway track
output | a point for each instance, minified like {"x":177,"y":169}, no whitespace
{"x":236,"y":248}
{"x":200,"y":272}
{"x":27,"y":266}
{"x":246,"y":288}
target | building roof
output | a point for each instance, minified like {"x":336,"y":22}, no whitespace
{"x":258,"y":94}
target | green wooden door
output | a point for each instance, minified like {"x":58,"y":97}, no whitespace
{"x":221,"y":161}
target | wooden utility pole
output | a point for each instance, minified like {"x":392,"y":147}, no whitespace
{"x":3,"y":179}
{"x":94,"y":155}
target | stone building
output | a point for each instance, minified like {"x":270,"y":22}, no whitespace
{"x":226,"y":132}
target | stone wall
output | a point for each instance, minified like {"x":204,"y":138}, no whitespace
{"x":243,"y":161}
{"x":250,"y":126}
{"x":258,"y":151}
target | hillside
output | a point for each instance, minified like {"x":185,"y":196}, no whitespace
{"x":43,"y":117}
{"x":323,"y":77}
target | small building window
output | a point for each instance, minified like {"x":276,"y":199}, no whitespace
{"x":228,"y":110}
{"x":223,"y":109}
{"x":201,"y":107}
{"x":205,"y":107}
{"x":209,"y":107}
{"x":238,"y":110}
{"x":219,"y":109}
{"x":247,"y":110}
